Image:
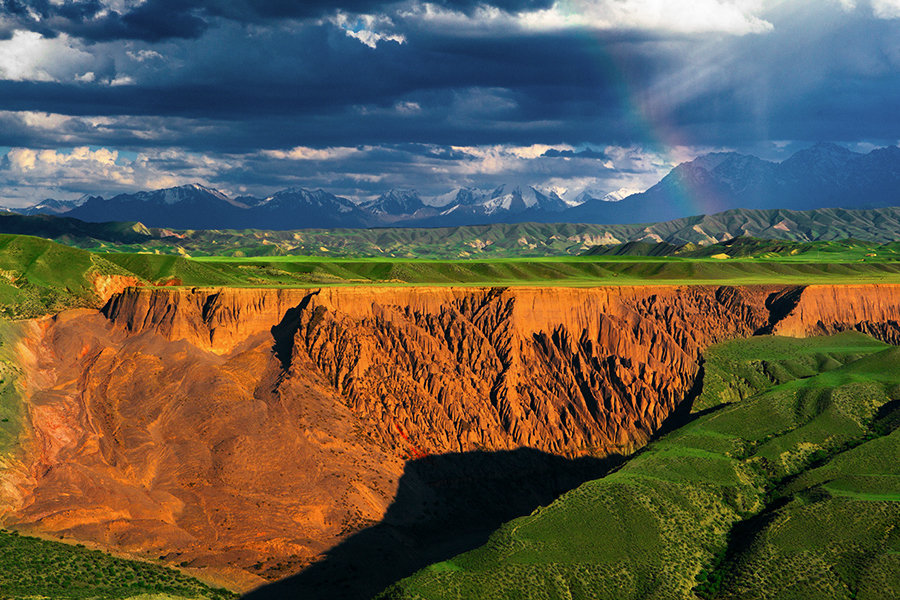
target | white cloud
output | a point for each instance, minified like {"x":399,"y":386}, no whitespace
{"x":39,"y":120}
{"x":29,"y":57}
{"x":371,"y":38}
{"x":736,"y":17}
{"x":536,"y":150}
{"x":306,"y":153}
{"x":883,"y":9}
{"x":122,"y":80}
{"x":362,"y":27}
{"x":144,"y":55}
{"x":501,"y":158}
{"x":886,"y":9}
{"x":408,"y":108}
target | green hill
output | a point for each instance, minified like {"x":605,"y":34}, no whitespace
{"x":38,"y":276}
{"x":484,"y":241}
{"x":786,"y":490}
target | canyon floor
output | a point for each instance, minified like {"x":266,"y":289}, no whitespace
{"x":326,"y":442}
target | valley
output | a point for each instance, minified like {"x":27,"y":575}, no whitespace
{"x":325,"y":428}
{"x":449,"y":300}
{"x":247,"y":433}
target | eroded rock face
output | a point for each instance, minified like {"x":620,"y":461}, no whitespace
{"x":568,"y":371}
{"x":828,"y":309}
{"x":252,"y":429}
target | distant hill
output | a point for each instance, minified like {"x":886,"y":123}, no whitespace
{"x":878,"y":226}
{"x":823,"y":176}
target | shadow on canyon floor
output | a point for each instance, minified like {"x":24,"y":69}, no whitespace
{"x":446,"y":504}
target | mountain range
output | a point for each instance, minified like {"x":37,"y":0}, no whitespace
{"x":822,"y":176}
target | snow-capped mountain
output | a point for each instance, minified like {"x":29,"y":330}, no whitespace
{"x":187,"y":206}
{"x":55,"y":207}
{"x":503,"y":204}
{"x":614,"y":196}
{"x":295,"y":208}
{"x":394,"y":202}
{"x":824,"y":175}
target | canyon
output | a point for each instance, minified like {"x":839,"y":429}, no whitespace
{"x":245,"y":433}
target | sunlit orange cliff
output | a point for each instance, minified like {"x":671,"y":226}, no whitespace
{"x":244,"y":432}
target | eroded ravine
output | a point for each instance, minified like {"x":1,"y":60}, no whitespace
{"x":248,"y":430}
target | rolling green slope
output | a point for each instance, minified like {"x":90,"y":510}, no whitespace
{"x":849,"y":250}
{"x":790,"y":492}
{"x":38,"y":276}
{"x":39,"y":569}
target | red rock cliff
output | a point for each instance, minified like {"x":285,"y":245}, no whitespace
{"x":255,"y":428}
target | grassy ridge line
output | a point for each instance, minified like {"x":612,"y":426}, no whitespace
{"x":749,"y":248}
{"x":788,"y":493}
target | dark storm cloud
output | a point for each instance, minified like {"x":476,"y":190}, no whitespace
{"x":157,"y":20}
{"x":211,"y":85}
{"x":319,"y":86}
{"x":151,"y":21}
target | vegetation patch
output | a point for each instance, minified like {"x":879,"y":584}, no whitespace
{"x":37,"y":569}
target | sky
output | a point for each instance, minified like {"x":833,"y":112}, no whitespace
{"x":361,"y":96}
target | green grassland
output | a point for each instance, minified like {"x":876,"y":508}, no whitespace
{"x":569,"y":271}
{"x":40,"y":569}
{"x":783,"y":485}
{"x":38,"y":276}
